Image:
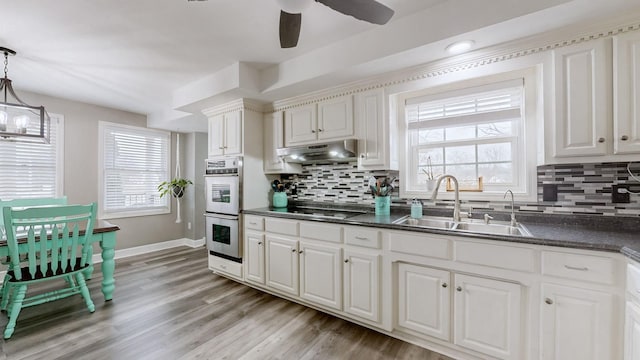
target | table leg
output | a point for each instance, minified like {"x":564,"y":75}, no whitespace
{"x":108,"y":244}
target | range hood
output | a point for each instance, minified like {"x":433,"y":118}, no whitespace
{"x":330,"y":151}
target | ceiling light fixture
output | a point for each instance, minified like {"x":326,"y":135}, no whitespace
{"x":18,"y":120}
{"x":460,"y":46}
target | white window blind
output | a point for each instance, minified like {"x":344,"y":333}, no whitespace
{"x":135,"y":161}
{"x":468,"y":133}
{"x":31,"y":169}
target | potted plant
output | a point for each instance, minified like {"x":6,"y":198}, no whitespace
{"x":175,"y":187}
{"x":431,"y":178}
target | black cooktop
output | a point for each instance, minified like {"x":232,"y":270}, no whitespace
{"x":319,"y":212}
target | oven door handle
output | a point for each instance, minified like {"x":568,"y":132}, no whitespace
{"x":221,"y":216}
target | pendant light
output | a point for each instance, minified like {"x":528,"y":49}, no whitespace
{"x":20,"y":121}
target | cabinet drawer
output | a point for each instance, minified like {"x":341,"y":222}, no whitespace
{"x":499,"y":256}
{"x":579,"y":267}
{"x":280,"y":226}
{"x":362,"y":237}
{"x":225,"y":266}
{"x":254,"y":222}
{"x":633,"y":280}
{"x":429,"y":245}
{"x":324,"y":232}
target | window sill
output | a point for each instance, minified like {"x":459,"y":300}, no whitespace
{"x":128,"y":214}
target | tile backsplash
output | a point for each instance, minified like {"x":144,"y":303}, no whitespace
{"x":562,"y":189}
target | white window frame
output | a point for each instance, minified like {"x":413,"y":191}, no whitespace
{"x":59,"y":165}
{"x":526,"y":160}
{"x":102,"y":212}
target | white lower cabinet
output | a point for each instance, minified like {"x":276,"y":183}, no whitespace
{"x":254,"y":257}
{"x":424,"y":300}
{"x":577,"y":324}
{"x":486,"y":313}
{"x":487,"y":316}
{"x":320,"y":274}
{"x":282,"y":264}
{"x":361,"y":285}
{"x":632,"y":332}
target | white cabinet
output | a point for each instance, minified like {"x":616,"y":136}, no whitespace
{"x":424,"y":300}
{"x":577,"y":324}
{"x":632,"y":332}
{"x":626,"y":93}
{"x":320,"y":274}
{"x":254,"y":257}
{"x":327,"y":120}
{"x":225,"y":134}
{"x":361,"y":285}
{"x":273,"y":139}
{"x":282,"y":264}
{"x":582,"y":99}
{"x":374,"y":132}
{"x":487,"y":316}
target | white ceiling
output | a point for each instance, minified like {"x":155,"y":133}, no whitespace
{"x":171,"y":58}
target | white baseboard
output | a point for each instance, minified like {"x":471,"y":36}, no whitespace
{"x":144,"y":249}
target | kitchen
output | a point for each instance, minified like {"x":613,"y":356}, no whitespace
{"x":568,"y":179}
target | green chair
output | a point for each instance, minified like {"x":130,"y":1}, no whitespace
{"x":27,"y":203}
{"x":56,"y":248}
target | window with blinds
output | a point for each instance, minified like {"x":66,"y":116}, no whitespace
{"x":32,"y":169}
{"x":134,"y":162}
{"x":470,"y":133}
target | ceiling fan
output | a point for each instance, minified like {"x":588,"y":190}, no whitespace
{"x":291,"y":15}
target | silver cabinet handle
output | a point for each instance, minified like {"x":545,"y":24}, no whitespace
{"x":548,"y":301}
{"x":259,"y":242}
{"x":601,"y":140}
{"x":220,"y":147}
{"x":313,"y":131}
{"x":624,"y":138}
{"x":300,"y":252}
{"x":362,"y":156}
{"x":253,"y":223}
{"x":346,"y":261}
{"x":459,"y":288}
{"x":319,"y":130}
{"x":224,"y":266}
{"x":361,"y":238}
{"x":293,"y":250}
{"x":584,"y":268}
{"x":444,"y":285}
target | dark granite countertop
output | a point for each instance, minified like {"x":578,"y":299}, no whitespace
{"x":613,"y":234}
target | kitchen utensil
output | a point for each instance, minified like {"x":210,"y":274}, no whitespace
{"x":274,"y":185}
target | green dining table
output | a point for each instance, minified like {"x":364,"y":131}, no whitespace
{"x":104,"y":233}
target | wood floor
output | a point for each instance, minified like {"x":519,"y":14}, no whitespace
{"x":168,"y":305}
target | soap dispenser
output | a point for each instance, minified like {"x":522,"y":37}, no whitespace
{"x":416,"y":209}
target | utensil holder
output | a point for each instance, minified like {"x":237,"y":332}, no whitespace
{"x":383,"y":205}
{"x":280,"y":199}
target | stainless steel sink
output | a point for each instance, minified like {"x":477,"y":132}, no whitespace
{"x":471,"y":226}
{"x":427,"y":222}
{"x":497,"y":229}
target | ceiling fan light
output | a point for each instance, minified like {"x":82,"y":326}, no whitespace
{"x":293,"y":6}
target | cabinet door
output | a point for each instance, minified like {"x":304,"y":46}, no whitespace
{"x":254,"y":261}
{"x":582,"y":105}
{"x":282,"y":264}
{"x":632,"y":332}
{"x":576,"y":324}
{"x":335,"y":118}
{"x":424,"y":300}
{"x":233,"y":133}
{"x":361,"y":285}
{"x":487,"y":316}
{"x":320,"y":275}
{"x":626,"y":93}
{"x":273,"y":139}
{"x":369,"y":118}
{"x":300,"y":125}
{"x":216,"y":135}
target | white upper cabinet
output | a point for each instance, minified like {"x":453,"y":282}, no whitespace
{"x":273,"y":139}
{"x":373,"y":130}
{"x":582,"y":100}
{"x":225,"y":134}
{"x":327,"y":120}
{"x":626,"y":93}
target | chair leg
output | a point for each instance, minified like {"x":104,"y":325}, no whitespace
{"x":84,"y":290}
{"x":16,"y":306}
{"x":6,"y":293}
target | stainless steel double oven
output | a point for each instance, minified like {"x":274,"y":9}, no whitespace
{"x":223,"y":181}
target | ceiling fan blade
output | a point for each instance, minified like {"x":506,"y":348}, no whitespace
{"x":367,"y":10}
{"x":289,"y":29}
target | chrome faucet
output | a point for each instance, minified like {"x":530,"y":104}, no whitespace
{"x":513,"y":214}
{"x":456,"y":203}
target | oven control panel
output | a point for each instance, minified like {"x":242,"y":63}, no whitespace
{"x":223,"y":166}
